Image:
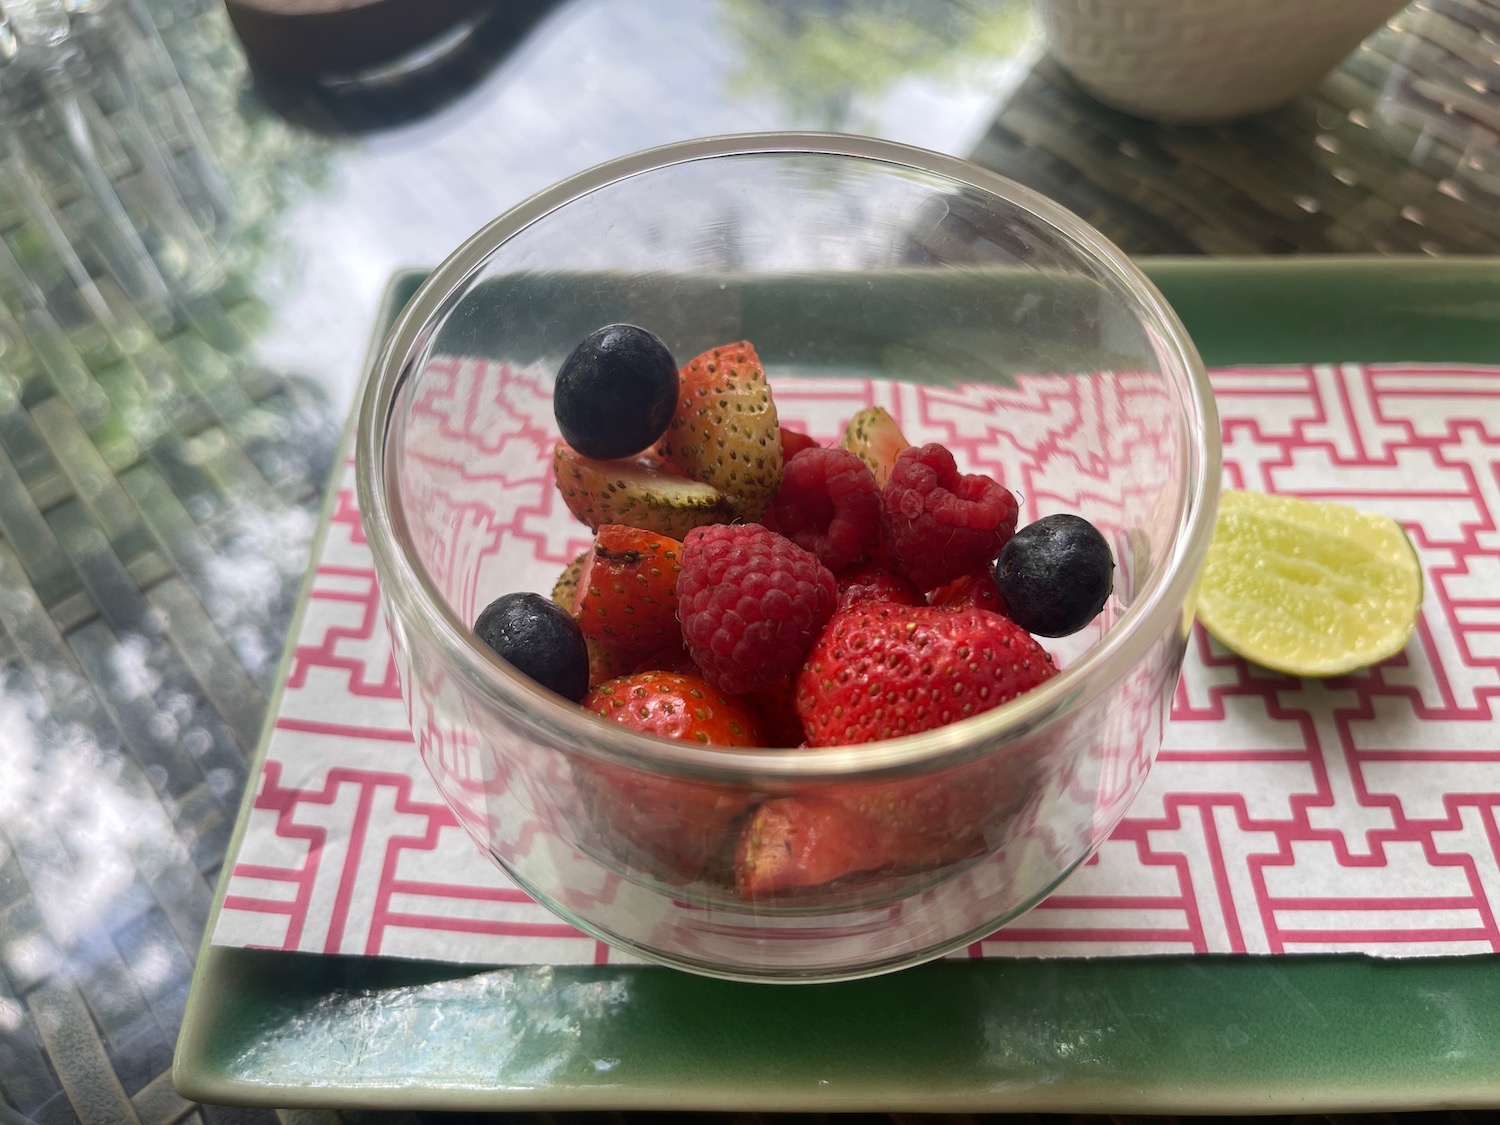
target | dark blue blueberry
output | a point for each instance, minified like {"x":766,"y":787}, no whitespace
{"x":1055,"y":575}
{"x":616,"y":393}
{"x":540,"y":639}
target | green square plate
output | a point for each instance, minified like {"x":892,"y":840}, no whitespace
{"x":1140,"y":1035}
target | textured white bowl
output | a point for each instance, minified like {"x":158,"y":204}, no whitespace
{"x":1204,"y":61}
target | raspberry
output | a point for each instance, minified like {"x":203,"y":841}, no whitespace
{"x":751,"y":603}
{"x":939,"y":524}
{"x":828,"y":504}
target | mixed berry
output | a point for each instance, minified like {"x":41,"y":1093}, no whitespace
{"x":748,"y":586}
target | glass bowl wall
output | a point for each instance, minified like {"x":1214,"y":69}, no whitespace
{"x":863,"y":271}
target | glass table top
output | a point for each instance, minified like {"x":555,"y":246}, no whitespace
{"x":161,"y":474}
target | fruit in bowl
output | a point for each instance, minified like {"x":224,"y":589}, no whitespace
{"x":742,"y":633}
{"x":830,"y":716}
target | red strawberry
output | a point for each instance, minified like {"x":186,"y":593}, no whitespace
{"x":873,"y":436}
{"x":606,"y":661}
{"x":923,"y":822}
{"x":674,"y":659}
{"x":794,"y":442}
{"x":796,"y":842}
{"x":867,"y":582}
{"x":775,"y":712}
{"x":674,"y":705}
{"x":642,"y":492}
{"x":724,"y":431}
{"x":881,"y":670}
{"x":663,"y":825}
{"x":863,"y":828}
{"x":627,"y":590}
{"x":976,"y":589}
{"x":565,"y":589}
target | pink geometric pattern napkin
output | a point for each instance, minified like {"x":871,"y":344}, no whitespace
{"x":1282,"y":816}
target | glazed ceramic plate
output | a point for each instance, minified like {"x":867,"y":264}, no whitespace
{"x":1143,"y":1035}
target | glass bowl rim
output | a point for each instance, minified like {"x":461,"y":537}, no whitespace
{"x":413,"y":593}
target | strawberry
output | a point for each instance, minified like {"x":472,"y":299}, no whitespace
{"x":794,"y":442}
{"x":673,"y":659}
{"x":666,"y":826}
{"x":976,"y":589}
{"x":724,"y":431}
{"x":873,"y":436}
{"x":627,"y":590}
{"x":775,"y":711}
{"x":606,"y":660}
{"x":674,"y":705}
{"x":880,"y":670}
{"x":867,"y":582}
{"x":795,"y":842}
{"x":865,"y":828}
{"x":565,"y":589}
{"x":923,"y":822}
{"x":641,"y":491}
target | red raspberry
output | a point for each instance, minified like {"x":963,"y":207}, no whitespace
{"x":828,"y":504}
{"x":939,"y":524}
{"x":751,"y":603}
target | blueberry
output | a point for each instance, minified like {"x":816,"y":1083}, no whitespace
{"x":1055,"y":575}
{"x":540,"y":639}
{"x":616,"y":393}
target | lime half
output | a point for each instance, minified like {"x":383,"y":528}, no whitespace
{"x":1308,"y":589}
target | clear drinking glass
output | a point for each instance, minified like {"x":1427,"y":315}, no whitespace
{"x":843,"y":260}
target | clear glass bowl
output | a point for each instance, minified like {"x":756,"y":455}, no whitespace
{"x":861,"y":270}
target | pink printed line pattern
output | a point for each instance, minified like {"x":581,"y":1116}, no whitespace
{"x":1357,"y":814}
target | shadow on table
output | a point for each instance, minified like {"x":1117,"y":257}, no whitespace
{"x":432,"y":78}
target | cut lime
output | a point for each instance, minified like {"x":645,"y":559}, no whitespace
{"x":1308,"y":589}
